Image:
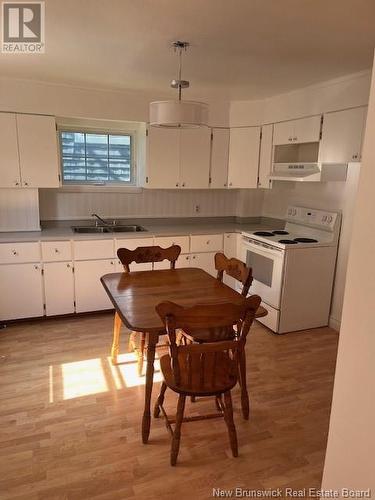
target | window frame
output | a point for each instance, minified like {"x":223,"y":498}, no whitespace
{"x":122,"y":186}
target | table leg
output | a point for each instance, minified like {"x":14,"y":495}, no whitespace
{"x":116,"y":338}
{"x":146,"y":421}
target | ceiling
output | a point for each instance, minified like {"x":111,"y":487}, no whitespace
{"x":240,"y":49}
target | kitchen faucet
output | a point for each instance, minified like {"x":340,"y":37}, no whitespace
{"x":101,"y":220}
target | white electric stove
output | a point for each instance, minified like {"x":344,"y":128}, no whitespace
{"x":294,"y":268}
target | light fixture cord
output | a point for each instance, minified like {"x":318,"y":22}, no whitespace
{"x":179,"y":74}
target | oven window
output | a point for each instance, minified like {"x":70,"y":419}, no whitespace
{"x":262,"y":267}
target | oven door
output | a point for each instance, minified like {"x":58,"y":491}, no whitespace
{"x":266,"y":262}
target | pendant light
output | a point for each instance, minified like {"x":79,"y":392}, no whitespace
{"x":179,"y":113}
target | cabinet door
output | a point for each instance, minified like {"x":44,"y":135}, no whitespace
{"x":90,"y":294}
{"x":205,"y":261}
{"x":163,"y":158}
{"x":21,"y":291}
{"x":243,"y":157}
{"x":265,"y":157}
{"x":184,"y":261}
{"x":195,"y":158}
{"x":230,"y":251}
{"x":59,"y":299}
{"x":342,"y":136}
{"x":38,"y":151}
{"x":307,"y":129}
{"x":219,"y":158}
{"x":283,"y":133}
{"x":9,"y":161}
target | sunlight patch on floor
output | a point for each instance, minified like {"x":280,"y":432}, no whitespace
{"x":82,"y":378}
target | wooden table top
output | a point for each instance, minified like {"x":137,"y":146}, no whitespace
{"x":136,"y":294}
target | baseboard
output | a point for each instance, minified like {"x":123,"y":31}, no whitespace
{"x":334,"y":323}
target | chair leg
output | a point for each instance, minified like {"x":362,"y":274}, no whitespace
{"x":177,"y":430}
{"x":160,"y":400}
{"x":116,"y":338}
{"x":141,"y":353}
{"x":245,"y":405}
{"x":228,"y":416}
{"x":192,"y":399}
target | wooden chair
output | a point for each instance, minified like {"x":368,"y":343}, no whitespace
{"x":209,"y":369}
{"x":238,"y":270}
{"x":143,"y":255}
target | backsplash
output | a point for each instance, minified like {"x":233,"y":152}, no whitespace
{"x":60,"y":205}
{"x":19,"y":210}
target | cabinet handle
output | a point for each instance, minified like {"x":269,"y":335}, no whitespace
{"x":225,"y":184}
{"x":57,"y":250}
{"x":14,"y":252}
{"x":207,"y":242}
{"x":355,"y":156}
{"x":68,"y":265}
{"x":16,"y":183}
{"x":295,"y":138}
{"x":25,"y":183}
{"x":183,"y":184}
{"x":290,"y":139}
{"x":36,"y":267}
{"x":193,"y":256}
{"x":176,"y":184}
{"x":112,"y":263}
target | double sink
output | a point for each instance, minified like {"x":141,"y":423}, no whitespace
{"x":108,"y":229}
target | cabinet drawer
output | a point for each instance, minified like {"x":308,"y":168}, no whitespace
{"x":206,"y":243}
{"x":19,"y":252}
{"x":167,"y":241}
{"x":133,"y":243}
{"x":55,"y":251}
{"x":93,"y":249}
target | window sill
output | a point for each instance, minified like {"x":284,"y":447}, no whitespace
{"x":76,"y":188}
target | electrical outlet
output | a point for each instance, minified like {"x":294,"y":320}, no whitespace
{"x":197,"y":208}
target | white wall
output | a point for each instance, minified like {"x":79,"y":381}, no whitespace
{"x":350,"y":458}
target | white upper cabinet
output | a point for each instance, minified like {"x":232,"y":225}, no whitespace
{"x":342,"y":136}
{"x":195,"y":157}
{"x":178,"y":158}
{"x":219,"y":158}
{"x":38,"y":155}
{"x":297,"y":131}
{"x":243,"y":157}
{"x":265,"y":157}
{"x":163,"y":158}
{"x":10,"y":175}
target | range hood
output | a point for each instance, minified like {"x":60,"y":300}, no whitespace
{"x":308,"y":172}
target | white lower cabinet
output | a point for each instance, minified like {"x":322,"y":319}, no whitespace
{"x":90,"y":294}
{"x":59,"y":288}
{"x":21,"y":291}
{"x":205,"y":261}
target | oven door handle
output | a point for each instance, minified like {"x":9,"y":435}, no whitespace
{"x":261,"y":250}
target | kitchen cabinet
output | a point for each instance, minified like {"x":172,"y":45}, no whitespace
{"x":178,"y":158}
{"x":184,"y":261}
{"x":59,"y":288}
{"x":163,"y":158}
{"x":90,"y":294}
{"x":205,"y":261}
{"x":206,"y":243}
{"x":297,"y":131}
{"x":265,"y":157}
{"x":243,"y":157}
{"x":10,"y":175}
{"x":342,"y":136}
{"x":38,"y":156}
{"x":167,"y":241}
{"x":21,"y":291}
{"x":56,"y":251}
{"x":230,"y":251}
{"x":219,"y":158}
{"x":195,"y":147}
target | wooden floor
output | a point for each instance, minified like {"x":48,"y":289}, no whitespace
{"x":70,"y":424}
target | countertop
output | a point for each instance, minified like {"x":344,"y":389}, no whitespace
{"x":158,"y":228}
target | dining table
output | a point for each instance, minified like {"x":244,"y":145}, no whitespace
{"x":135,"y":295}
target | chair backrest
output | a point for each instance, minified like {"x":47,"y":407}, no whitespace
{"x":234,"y":268}
{"x":143,"y":255}
{"x":204,"y":362}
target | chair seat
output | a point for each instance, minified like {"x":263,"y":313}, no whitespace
{"x":200,"y":385}
{"x":210,"y":334}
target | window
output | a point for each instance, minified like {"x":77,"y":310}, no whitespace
{"x":97,"y":158}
